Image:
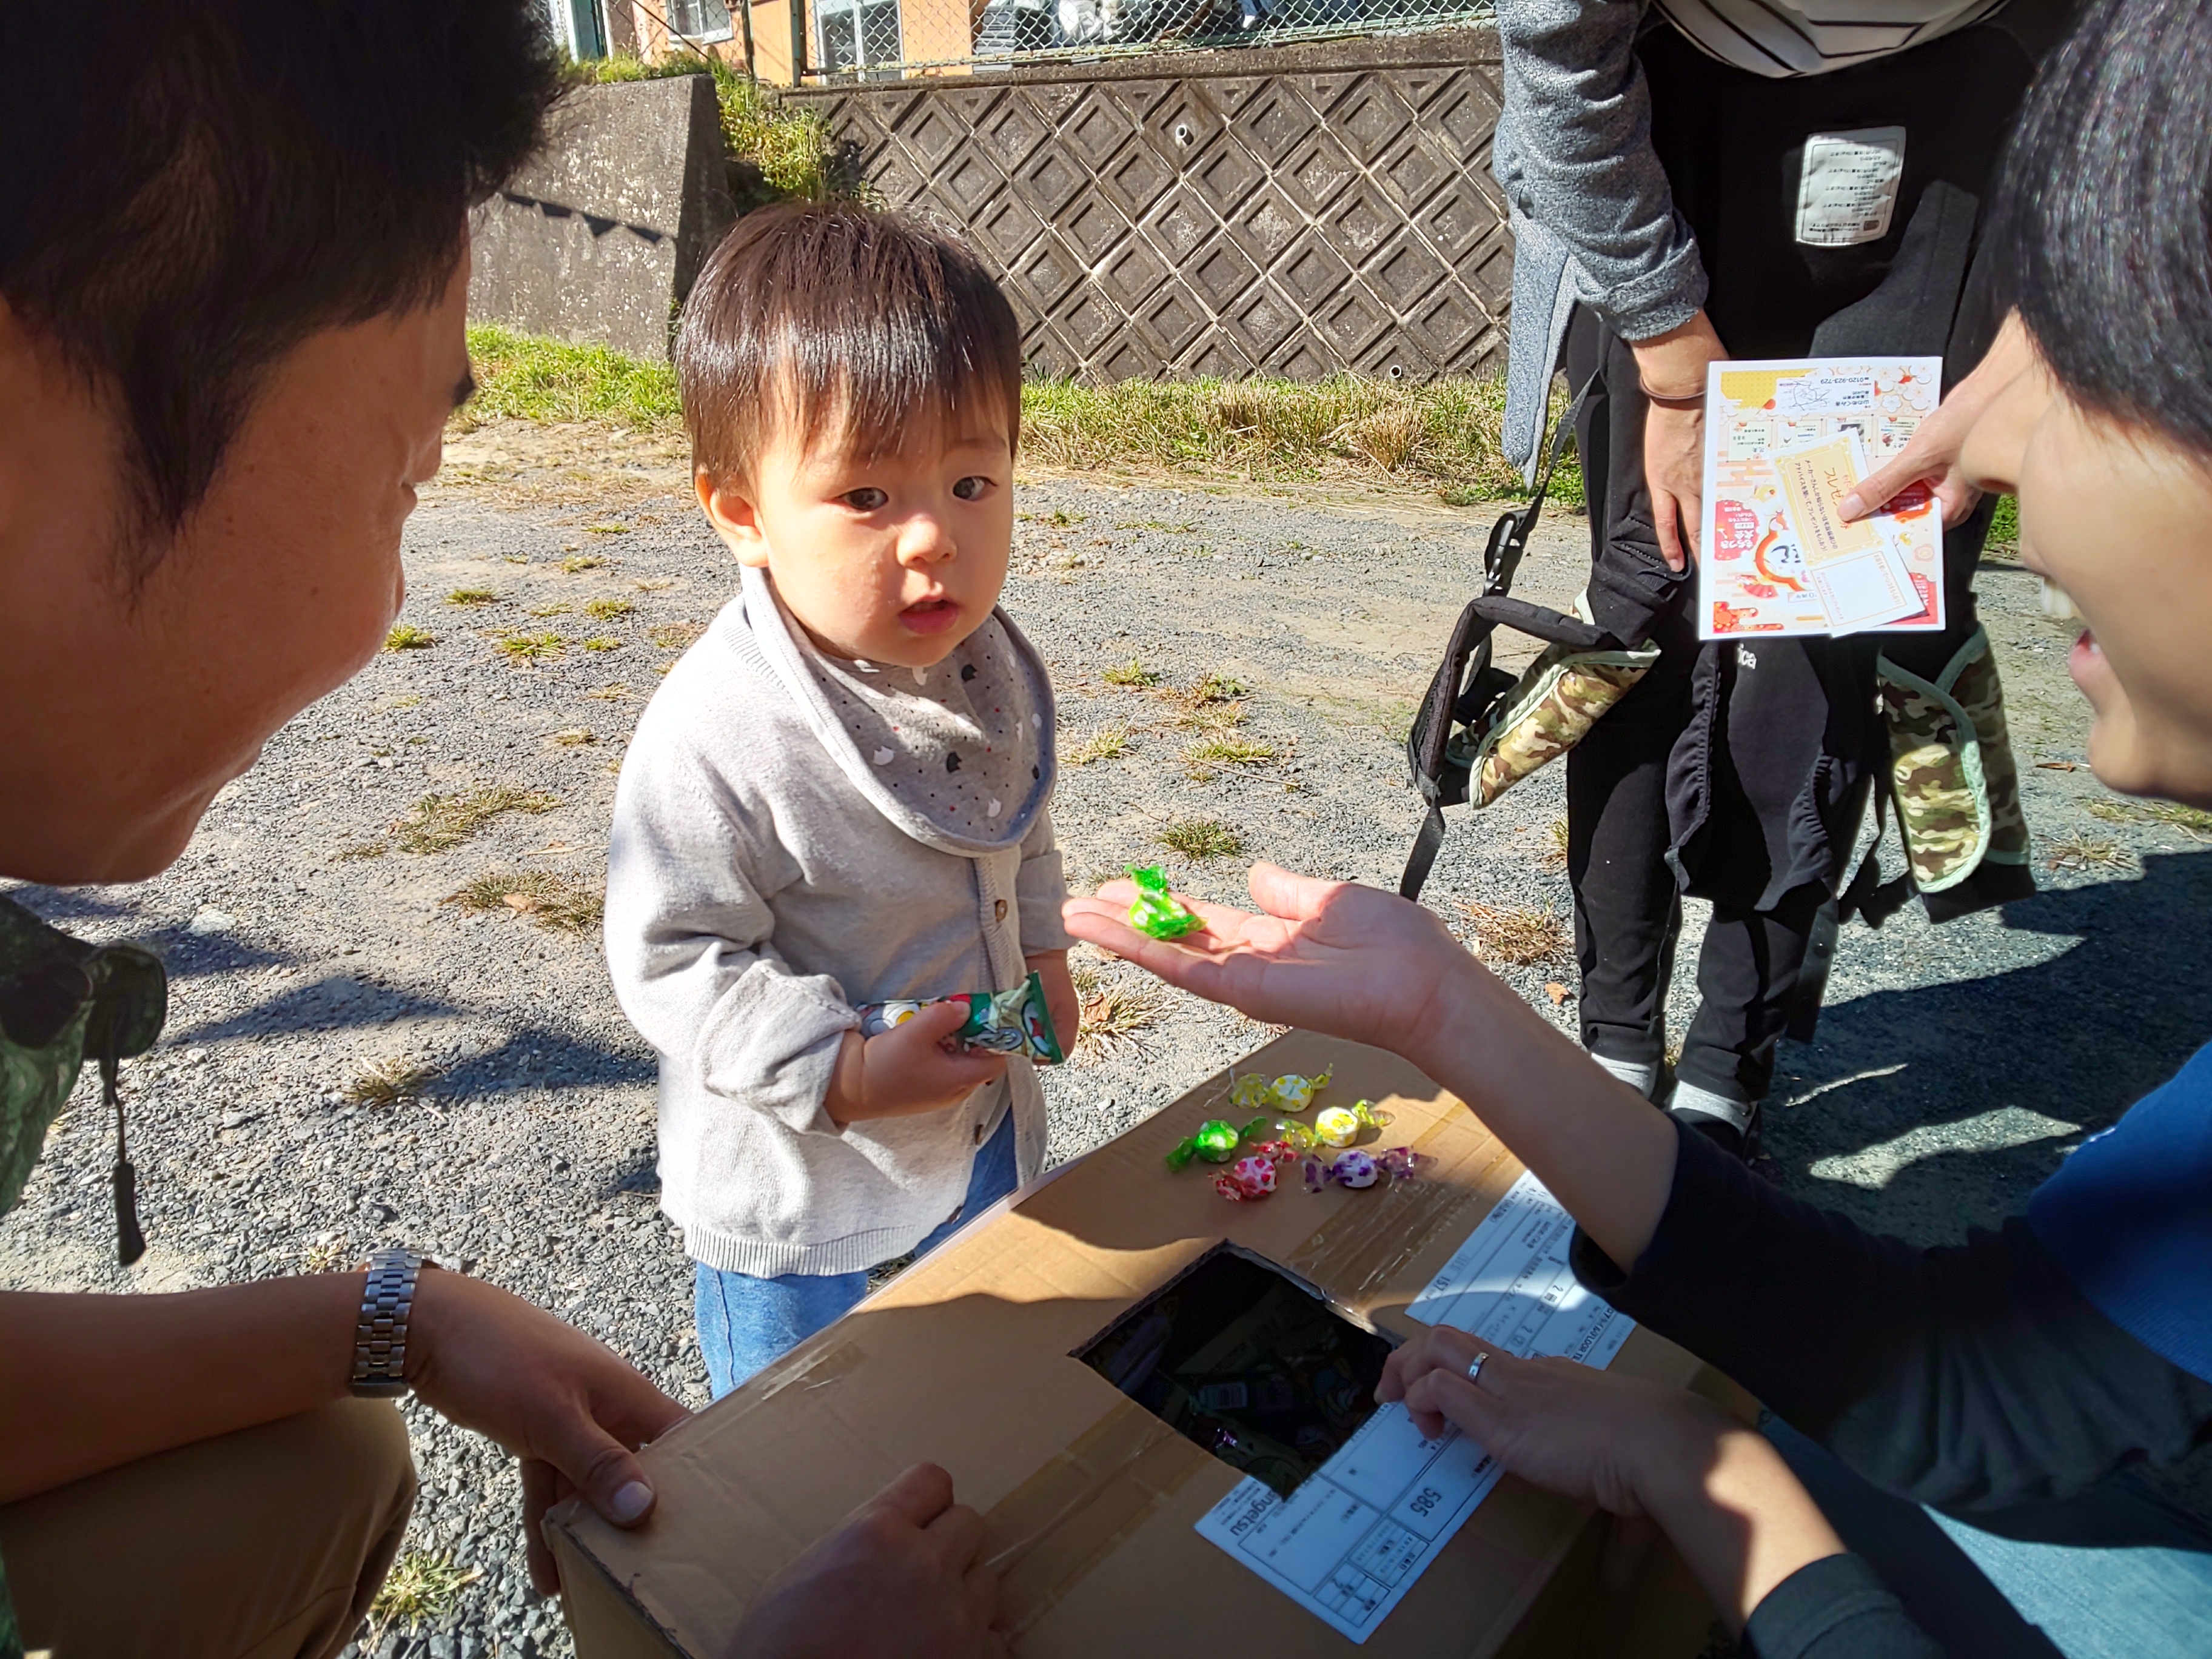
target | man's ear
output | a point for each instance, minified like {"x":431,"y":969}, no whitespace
{"x":735,"y":519}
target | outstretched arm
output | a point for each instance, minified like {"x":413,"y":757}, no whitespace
{"x":1335,"y":957}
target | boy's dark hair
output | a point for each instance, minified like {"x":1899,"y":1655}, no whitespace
{"x":2108,"y":220}
{"x":192,"y":187}
{"x":812,"y":316}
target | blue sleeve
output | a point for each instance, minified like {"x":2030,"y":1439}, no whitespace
{"x":2128,"y":1219}
{"x":1574,"y":154}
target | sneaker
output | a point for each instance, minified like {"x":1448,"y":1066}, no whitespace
{"x":1731,"y":1125}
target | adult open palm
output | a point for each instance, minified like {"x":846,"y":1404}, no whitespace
{"x":1329,"y":956}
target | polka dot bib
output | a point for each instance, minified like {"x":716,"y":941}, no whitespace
{"x":962,"y":747}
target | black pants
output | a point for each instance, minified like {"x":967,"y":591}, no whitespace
{"x":1768,"y":749}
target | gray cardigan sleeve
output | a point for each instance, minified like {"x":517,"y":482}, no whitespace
{"x":1573,"y":153}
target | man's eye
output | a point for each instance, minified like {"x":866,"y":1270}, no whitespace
{"x":864,"y":500}
{"x":971,"y":488}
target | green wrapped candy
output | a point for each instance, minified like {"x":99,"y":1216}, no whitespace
{"x":1015,"y":1022}
{"x":1157,"y":912}
{"x":1215,"y":1142}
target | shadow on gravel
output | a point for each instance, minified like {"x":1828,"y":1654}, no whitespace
{"x":538,"y":1057}
{"x":184,"y":954}
{"x":333,"y":1003}
{"x":1904,"y":1096}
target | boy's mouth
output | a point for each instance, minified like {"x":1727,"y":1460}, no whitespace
{"x":930,"y":615}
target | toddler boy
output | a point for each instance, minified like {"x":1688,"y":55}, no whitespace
{"x":840,"y":795}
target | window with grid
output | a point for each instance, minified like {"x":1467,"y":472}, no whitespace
{"x":857,"y":36}
{"x":701,"y":19}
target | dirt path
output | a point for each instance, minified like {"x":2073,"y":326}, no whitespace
{"x":309,"y":946}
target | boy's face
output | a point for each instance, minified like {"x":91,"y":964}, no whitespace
{"x":894,"y":558}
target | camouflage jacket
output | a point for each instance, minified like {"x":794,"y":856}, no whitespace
{"x":60,"y":1001}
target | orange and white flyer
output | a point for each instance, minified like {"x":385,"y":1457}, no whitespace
{"x":1783,"y":442}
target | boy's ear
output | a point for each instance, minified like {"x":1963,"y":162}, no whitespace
{"x":735,"y":519}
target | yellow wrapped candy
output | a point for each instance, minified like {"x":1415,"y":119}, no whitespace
{"x":1251,"y":1092}
{"x":1294,"y":1093}
{"x":1340,"y":1126}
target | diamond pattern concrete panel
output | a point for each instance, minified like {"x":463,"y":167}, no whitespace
{"x":1323,"y":209}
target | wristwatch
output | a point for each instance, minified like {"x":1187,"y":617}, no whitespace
{"x":379,"y":1337}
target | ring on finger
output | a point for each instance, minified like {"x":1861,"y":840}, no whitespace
{"x":1474,"y":1368}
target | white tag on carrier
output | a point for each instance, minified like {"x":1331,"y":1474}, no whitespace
{"x":1848,"y":190}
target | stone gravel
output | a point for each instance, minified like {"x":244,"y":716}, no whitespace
{"x":1952,"y":1069}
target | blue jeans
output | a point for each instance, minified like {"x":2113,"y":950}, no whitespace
{"x":745,"y":1322}
{"x":2118,"y":1572}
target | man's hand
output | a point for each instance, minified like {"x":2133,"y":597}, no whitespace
{"x":1673,"y":366}
{"x":568,"y":1406}
{"x":1932,"y":456}
{"x":1060,"y":999}
{"x":1329,"y":956}
{"x":899,"y":1580}
{"x":914,"y":1067}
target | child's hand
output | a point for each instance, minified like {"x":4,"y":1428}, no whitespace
{"x":1060,"y":999}
{"x":914,"y":1067}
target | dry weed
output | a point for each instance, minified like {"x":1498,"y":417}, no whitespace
{"x":549,"y":900}
{"x":1115,"y":1012}
{"x":1202,"y":838}
{"x":388,"y":1082}
{"x":437,"y":822}
{"x":1521,"y":936}
{"x":1108,"y":743}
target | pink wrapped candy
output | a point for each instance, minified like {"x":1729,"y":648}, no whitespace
{"x":1249,"y":1177}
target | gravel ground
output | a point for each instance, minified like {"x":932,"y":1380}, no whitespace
{"x":1952,"y":1068}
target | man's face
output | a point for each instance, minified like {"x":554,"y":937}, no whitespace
{"x":122,"y":710}
{"x":2122,"y":520}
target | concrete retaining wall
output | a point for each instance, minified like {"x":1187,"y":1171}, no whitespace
{"x":599,"y":239}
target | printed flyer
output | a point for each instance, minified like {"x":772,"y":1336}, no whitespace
{"x":1784,"y":442}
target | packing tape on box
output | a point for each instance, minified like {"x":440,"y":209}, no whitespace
{"x":1044,"y":1537}
{"x":1372,"y":1236}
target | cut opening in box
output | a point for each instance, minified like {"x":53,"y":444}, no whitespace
{"x":1243,"y":1360}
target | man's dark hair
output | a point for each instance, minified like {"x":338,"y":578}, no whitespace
{"x":2109,"y":219}
{"x":825,"y":319}
{"x":192,"y":187}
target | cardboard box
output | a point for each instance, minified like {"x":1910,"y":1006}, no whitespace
{"x":967,"y":1360}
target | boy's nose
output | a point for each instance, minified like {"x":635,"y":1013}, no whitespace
{"x":923,"y":539}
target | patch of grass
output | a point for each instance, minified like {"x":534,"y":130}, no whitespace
{"x":608,"y":609}
{"x":408,"y":637}
{"x":357,"y":851}
{"x":613,"y":693}
{"x":558,"y":608}
{"x":1158,"y":524}
{"x":437,"y":823}
{"x":420,"y":1589}
{"x":549,"y":900}
{"x":1058,"y":518}
{"x":2083,"y":852}
{"x":1554,"y":856}
{"x":1229,"y":751}
{"x":776,"y":150}
{"x":1202,"y":838}
{"x":1108,"y":743}
{"x":674,"y":637}
{"x":2190,"y":820}
{"x":471,"y":596}
{"x":2004,"y":524}
{"x":1115,"y":1012}
{"x":326,"y":1256}
{"x":529,"y":647}
{"x":1216,"y":688}
{"x":575,"y":737}
{"x":601,"y":643}
{"x":576,"y":563}
{"x":388,"y":1082}
{"x":516,"y":558}
{"x":1520,"y":935}
{"x":656,"y":585}
{"x":606,"y":530}
{"x":1132,"y":674}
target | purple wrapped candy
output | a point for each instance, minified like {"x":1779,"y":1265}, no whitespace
{"x":1354,"y":1169}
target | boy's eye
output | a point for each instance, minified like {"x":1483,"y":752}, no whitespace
{"x":866,"y":499}
{"x":971,"y":488}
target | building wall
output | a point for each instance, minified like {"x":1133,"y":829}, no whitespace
{"x":1298,"y":210}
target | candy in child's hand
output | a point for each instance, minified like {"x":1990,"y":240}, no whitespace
{"x":1340,"y":1126}
{"x":1215,"y":1142}
{"x":1249,"y":1177}
{"x":1294,"y":1093}
{"x":1015,"y":1022}
{"x":1157,"y":912}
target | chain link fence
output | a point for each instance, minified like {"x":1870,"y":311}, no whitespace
{"x":848,"y":40}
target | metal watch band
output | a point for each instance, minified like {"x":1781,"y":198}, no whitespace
{"x":380,"y":1339}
